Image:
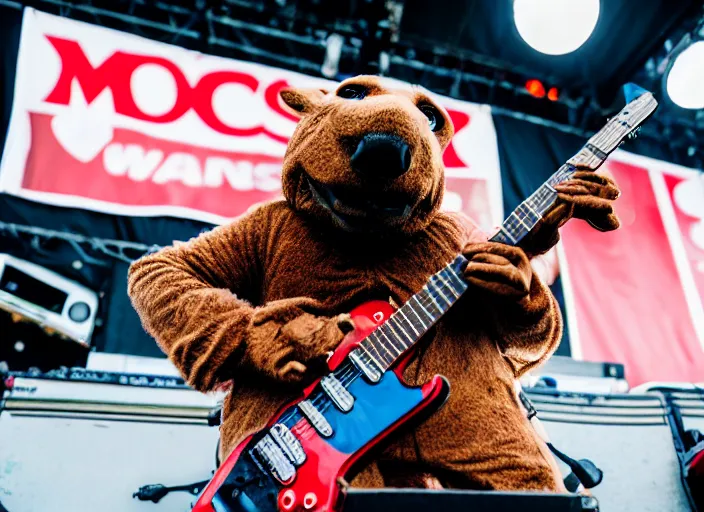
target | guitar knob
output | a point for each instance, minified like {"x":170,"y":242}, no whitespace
{"x":287,"y":500}
{"x":310,"y":500}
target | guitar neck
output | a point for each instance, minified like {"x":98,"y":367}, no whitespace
{"x":592,"y":155}
{"x":415,"y":318}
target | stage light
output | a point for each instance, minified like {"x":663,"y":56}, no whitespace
{"x":684,"y":74}
{"x":535,"y":88}
{"x":555,"y":27}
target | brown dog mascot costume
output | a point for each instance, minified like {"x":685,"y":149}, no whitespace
{"x":262,"y":301}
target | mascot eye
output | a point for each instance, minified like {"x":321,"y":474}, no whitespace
{"x":352,"y":92}
{"x":435,"y":119}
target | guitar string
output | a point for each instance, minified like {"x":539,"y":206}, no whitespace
{"x":565,"y":172}
{"x":536,"y":201}
{"x":322,"y":401}
{"x":350,"y":373}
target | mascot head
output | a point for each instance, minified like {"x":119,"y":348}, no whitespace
{"x":366,"y":157}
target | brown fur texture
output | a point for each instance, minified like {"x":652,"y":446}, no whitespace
{"x":262,"y":301}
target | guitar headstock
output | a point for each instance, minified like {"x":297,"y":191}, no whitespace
{"x":641,"y":105}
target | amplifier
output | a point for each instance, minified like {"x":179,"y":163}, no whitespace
{"x":57,"y":304}
{"x":417,"y":500}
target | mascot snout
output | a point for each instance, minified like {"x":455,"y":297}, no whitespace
{"x":381,"y":156}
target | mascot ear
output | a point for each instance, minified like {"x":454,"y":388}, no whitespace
{"x":302,"y":102}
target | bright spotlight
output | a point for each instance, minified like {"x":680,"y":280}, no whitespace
{"x":555,"y":27}
{"x":685,"y":77}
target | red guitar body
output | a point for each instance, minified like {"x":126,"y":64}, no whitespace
{"x":245,"y":480}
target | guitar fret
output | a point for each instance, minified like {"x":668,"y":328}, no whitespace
{"x":439,"y":274}
{"x":365,"y":358}
{"x":432,"y":299}
{"x":441,"y":294}
{"x":400,"y":311}
{"x":393,"y":329}
{"x":419,"y":318}
{"x":520,"y":220}
{"x":400,"y":351}
{"x":384,"y":351}
{"x":381,"y":351}
{"x":530,"y":207}
{"x":596,"y":151}
{"x":418,"y":301}
{"x":508,"y":234}
{"x":461,"y":286}
{"x":381,"y":344}
{"x":371,"y":357}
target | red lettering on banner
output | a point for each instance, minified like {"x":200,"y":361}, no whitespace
{"x":115,"y":73}
{"x":450,"y":158}
{"x":203,"y":100}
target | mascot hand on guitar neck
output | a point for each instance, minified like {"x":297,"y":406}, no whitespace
{"x":262,"y":302}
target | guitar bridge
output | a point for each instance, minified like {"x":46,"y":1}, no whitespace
{"x":272,"y":458}
{"x":288,"y":442}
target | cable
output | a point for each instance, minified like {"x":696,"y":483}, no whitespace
{"x":116,"y":249}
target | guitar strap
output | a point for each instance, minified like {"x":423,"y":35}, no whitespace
{"x":584,"y":471}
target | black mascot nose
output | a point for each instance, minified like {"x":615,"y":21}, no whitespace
{"x":381,"y":155}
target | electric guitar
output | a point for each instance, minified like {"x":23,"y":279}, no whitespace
{"x":295,"y":462}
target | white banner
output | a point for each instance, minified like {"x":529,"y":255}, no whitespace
{"x":116,"y":123}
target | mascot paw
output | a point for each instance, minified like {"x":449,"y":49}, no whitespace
{"x":591,"y":198}
{"x":292,"y":345}
{"x":503,"y":270}
{"x":588,"y":196}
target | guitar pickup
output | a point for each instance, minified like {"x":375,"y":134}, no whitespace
{"x":338,"y":393}
{"x":365,"y":365}
{"x":289,"y":443}
{"x":270,"y":455}
{"x":316,"y":418}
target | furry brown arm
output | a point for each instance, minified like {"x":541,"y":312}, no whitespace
{"x":190,"y":298}
{"x":196,"y":299}
{"x":526,"y":319}
{"x":529,"y":331}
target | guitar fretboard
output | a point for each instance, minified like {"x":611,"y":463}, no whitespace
{"x":412,"y":320}
{"x":590,"y":157}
